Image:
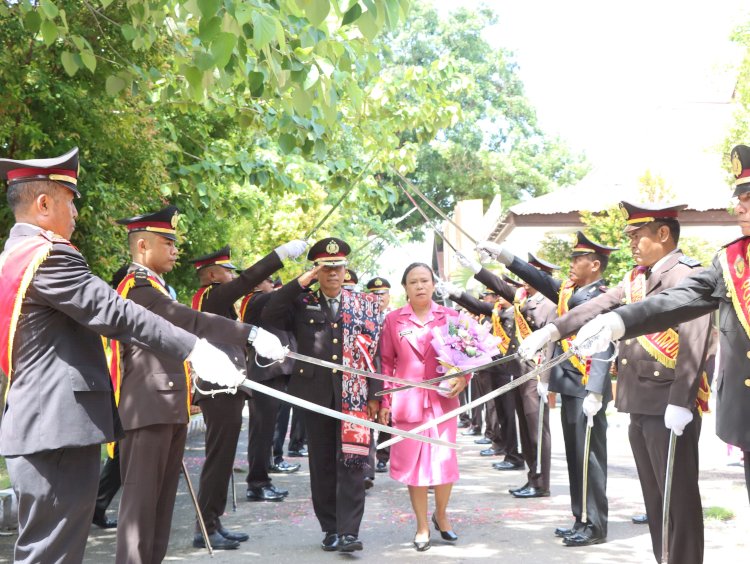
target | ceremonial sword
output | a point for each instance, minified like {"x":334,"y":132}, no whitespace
{"x":667,"y":498}
{"x":429,"y":221}
{"x":419,"y":193}
{"x":586,"y":449}
{"x":491,"y":395}
{"x":539,"y":433}
{"x":201,"y":522}
{"x":413,"y":384}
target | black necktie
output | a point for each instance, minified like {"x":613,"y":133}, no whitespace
{"x":333,"y":304}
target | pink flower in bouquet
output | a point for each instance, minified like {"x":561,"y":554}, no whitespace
{"x":462,"y":343}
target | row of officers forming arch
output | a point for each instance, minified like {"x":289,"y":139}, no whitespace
{"x":54,"y":311}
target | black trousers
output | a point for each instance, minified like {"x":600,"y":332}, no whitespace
{"x":109,"y":483}
{"x":338,"y":491}
{"x":574,"y":424}
{"x":747,"y":472}
{"x":505,"y":408}
{"x":55,"y":491}
{"x":527,"y":407}
{"x":223,"y":417}
{"x":649,"y":439}
{"x":297,"y":437}
{"x":263,"y":412}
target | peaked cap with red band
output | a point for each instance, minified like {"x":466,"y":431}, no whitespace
{"x":638,"y":215}
{"x":329,"y":252}
{"x":62,"y":169}
{"x":222,"y":257}
{"x":163,"y":222}
{"x":585,"y":246}
{"x":740,"y":157}
{"x":541,"y":264}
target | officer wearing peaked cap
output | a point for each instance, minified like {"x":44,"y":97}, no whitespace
{"x":340,"y":326}
{"x":662,"y":381}
{"x":60,"y":405}
{"x":221,"y":290}
{"x":154,"y":392}
{"x":541,"y":264}
{"x":350,"y":280}
{"x":584,"y":386}
{"x":719,"y":286}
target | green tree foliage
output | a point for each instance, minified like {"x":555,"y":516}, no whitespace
{"x":496,"y":147}
{"x":740,"y":131}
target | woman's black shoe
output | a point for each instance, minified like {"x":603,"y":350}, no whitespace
{"x":446,"y":535}
{"x":421,"y":546}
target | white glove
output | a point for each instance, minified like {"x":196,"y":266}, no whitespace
{"x":542,"y":388}
{"x":448,"y":288}
{"x":676,"y":418}
{"x":537,"y":340}
{"x":267,"y":345}
{"x":498,"y":252}
{"x":291,"y":250}
{"x":596,"y":335}
{"x":592,"y":403}
{"x":212,"y":365}
{"x":466,"y":262}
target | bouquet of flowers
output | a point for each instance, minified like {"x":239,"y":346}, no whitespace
{"x":462,"y":343}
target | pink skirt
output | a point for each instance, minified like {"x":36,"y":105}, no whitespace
{"x":420,"y":464}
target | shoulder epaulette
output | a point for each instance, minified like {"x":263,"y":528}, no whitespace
{"x":141,"y":277}
{"x":688,"y":261}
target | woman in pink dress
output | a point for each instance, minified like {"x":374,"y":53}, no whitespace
{"x":406,"y":352}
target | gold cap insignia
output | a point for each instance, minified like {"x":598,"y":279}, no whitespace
{"x":736,"y":164}
{"x":332,"y":247}
{"x":624,"y":211}
{"x":347,"y":276}
{"x":175,"y":219}
{"x":378,"y":282}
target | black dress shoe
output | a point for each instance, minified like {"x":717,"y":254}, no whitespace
{"x":640,"y":519}
{"x":349,"y":543}
{"x":279,"y":490}
{"x":568,"y":532}
{"x":266,"y":493}
{"x":490,"y":452}
{"x":519,"y":488}
{"x":471,"y":431}
{"x":462,"y":424}
{"x":505,"y":465}
{"x":422,"y":546}
{"x":227,"y":534}
{"x":217,"y":542}
{"x":284,"y":467}
{"x":297,"y":453}
{"x":586,"y":537}
{"x":103,"y":522}
{"x":448,"y":535}
{"x":381,"y":466}
{"x":482,"y":441}
{"x":531,"y":491}
{"x":330,"y":542}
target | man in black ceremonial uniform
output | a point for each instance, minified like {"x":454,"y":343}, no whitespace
{"x":330,"y":324}
{"x":584,"y":384}
{"x":60,"y":405}
{"x":221,"y":289}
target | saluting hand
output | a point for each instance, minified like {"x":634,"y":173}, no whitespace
{"x":307,"y":278}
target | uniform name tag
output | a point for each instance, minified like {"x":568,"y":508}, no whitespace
{"x":405,"y":332}
{"x":315,"y":307}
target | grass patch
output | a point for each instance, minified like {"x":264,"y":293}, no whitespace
{"x":718,"y":513}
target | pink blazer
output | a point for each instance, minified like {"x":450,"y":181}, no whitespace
{"x":407,"y":354}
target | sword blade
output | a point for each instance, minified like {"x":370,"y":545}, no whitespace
{"x":428,"y":220}
{"x":437,"y":210}
{"x":299,"y":402}
{"x":357,"y":371}
{"x":539,"y":433}
{"x":486,"y":397}
{"x":439,"y":379}
{"x":201,"y":522}
{"x":586,"y":449}
{"x":667,"y":498}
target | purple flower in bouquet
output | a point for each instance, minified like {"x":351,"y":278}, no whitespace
{"x":462,"y":343}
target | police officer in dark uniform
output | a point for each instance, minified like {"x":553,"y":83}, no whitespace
{"x":221,"y":290}
{"x":321,"y":321}
{"x":720,"y":286}
{"x":60,"y":406}
{"x":155,"y":392}
{"x":659,"y":377}
{"x":350,"y":280}
{"x":585,"y":387}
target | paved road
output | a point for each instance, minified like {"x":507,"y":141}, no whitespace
{"x":490,"y":523}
